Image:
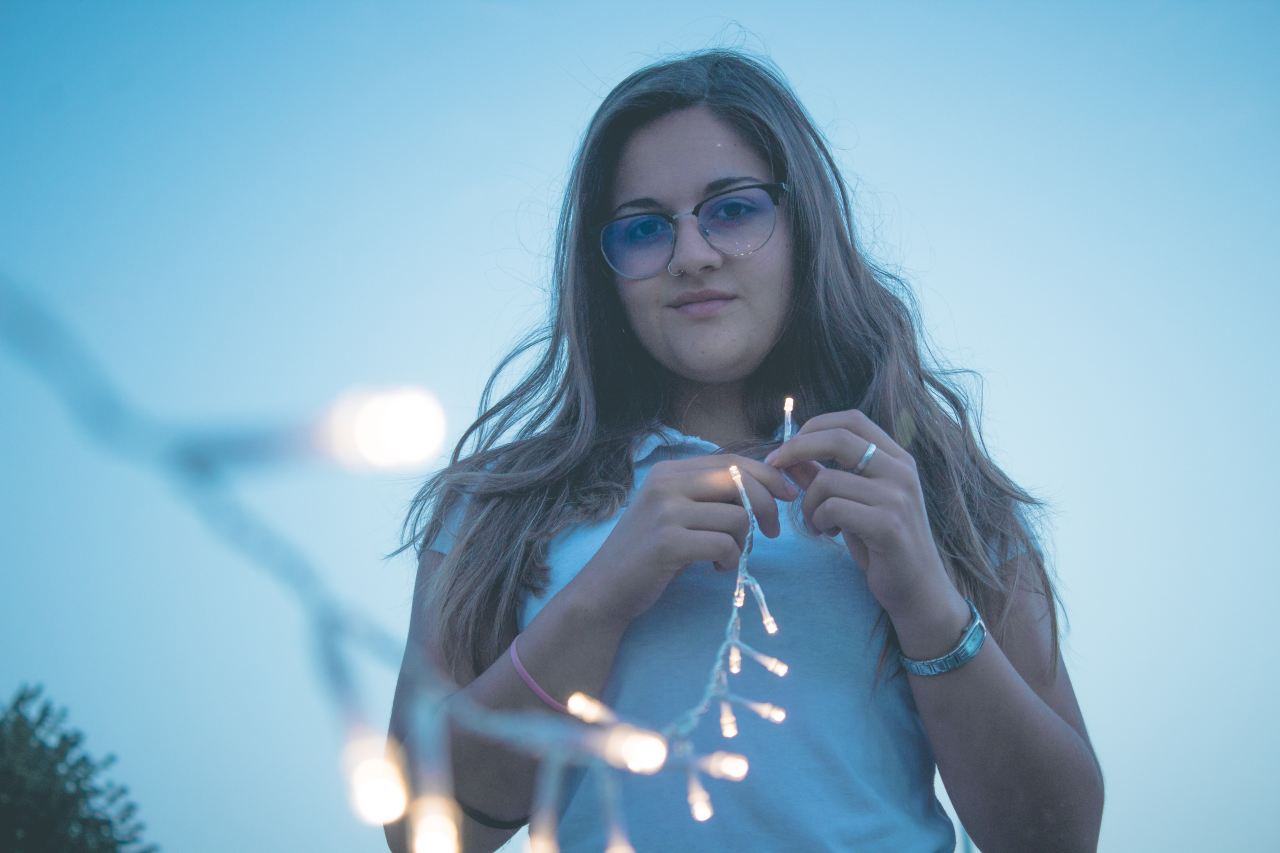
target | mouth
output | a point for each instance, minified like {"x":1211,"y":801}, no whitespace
{"x":704,"y":307}
{"x":705,"y":294}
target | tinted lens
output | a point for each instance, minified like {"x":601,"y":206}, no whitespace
{"x":738,"y":222}
{"x":638,"y":246}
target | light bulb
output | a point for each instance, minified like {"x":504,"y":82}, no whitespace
{"x":435,"y":826}
{"x":638,"y":750}
{"x":588,"y":709}
{"x":728,"y":723}
{"x":394,"y":429}
{"x":772,"y":664}
{"x":735,"y":660}
{"x":769,"y":624}
{"x":376,"y":782}
{"x":770,"y":712}
{"x":699,"y":799}
{"x":725,"y":765}
{"x":618,"y":842}
{"x":542,"y":841}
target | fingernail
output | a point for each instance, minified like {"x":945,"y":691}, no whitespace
{"x":772,"y":456}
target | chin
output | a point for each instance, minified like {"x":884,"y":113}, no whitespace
{"x":720,"y":373}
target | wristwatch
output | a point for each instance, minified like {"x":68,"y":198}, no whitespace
{"x":970,"y":642}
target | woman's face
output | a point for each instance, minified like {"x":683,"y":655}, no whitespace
{"x":672,"y":160}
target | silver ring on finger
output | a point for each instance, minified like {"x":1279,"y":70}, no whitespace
{"x":866,"y":459}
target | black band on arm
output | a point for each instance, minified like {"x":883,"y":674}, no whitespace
{"x":491,"y":822}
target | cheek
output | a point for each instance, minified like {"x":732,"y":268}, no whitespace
{"x":641,"y":308}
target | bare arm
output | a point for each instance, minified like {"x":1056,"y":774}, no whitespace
{"x":566,"y":648}
{"x":685,"y":511}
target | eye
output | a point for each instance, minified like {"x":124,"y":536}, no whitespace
{"x":731,"y":210}
{"x":645,"y":228}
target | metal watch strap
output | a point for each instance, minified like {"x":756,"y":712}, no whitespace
{"x":967,"y":649}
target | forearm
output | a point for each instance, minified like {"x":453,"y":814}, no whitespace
{"x":566,"y":648}
{"x":1019,"y":776}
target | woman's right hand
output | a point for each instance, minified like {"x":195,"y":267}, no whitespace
{"x":685,"y":511}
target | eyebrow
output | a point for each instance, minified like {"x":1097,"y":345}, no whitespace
{"x":717,"y":184}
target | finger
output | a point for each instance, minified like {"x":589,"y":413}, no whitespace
{"x":715,"y":546}
{"x":764,"y":505}
{"x":765,"y":485}
{"x":762,"y":484}
{"x":721,"y":517}
{"x":803,"y":473}
{"x":775,"y":481}
{"x":838,"y":485}
{"x":833,"y":447}
{"x":771,"y":478}
{"x":857,"y":422}
{"x":702,"y":482}
{"x":851,"y":517}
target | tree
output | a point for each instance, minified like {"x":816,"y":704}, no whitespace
{"x":51,"y":795}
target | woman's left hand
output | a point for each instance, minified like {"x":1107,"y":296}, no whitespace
{"x":880,"y":511}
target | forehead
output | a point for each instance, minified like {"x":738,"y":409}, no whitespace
{"x":674,"y":157}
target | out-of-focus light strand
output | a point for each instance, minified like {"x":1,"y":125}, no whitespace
{"x":379,"y":429}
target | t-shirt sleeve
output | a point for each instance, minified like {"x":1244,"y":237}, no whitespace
{"x":448,"y":532}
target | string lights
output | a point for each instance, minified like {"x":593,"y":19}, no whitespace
{"x":394,"y":429}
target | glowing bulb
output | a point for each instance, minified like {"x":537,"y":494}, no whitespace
{"x":588,"y":709}
{"x":728,"y":723}
{"x":739,"y":594}
{"x":637,"y":750}
{"x":772,"y":664}
{"x":435,"y":826}
{"x":735,"y":660}
{"x":787,"y":405}
{"x":726,"y":765}
{"x":618,"y":842}
{"x":770,"y":712}
{"x":769,"y":624}
{"x":376,"y":783}
{"x":699,"y":800}
{"x":542,"y":841}
{"x":399,"y":428}
{"x":775,"y":666}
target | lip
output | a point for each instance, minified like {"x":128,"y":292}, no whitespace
{"x":705,"y":307}
{"x":699,"y":296}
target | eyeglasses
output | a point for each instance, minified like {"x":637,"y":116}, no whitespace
{"x":734,"y":222}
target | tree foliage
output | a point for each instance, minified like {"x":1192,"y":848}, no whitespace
{"x":51,"y":795}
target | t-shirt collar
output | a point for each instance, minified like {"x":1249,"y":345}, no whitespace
{"x":668,"y":436}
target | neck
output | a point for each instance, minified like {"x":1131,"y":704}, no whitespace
{"x":713,"y":412}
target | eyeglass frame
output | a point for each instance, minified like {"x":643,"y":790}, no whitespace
{"x":775,"y":189}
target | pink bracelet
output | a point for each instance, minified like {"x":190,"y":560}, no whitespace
{"x":533,"y":685}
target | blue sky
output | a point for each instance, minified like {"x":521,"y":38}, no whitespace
{"x":245,"y":209}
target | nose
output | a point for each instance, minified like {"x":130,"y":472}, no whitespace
{"x":692,"y":252}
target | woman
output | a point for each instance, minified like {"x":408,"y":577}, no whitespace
{"x":707,"y":268}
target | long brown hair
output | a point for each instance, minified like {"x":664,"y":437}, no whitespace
{"x":852,"y":339}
